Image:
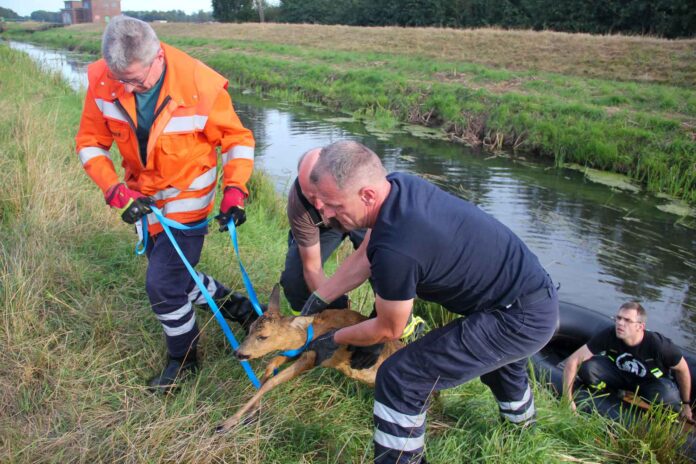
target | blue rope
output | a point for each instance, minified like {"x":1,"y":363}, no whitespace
{"x":298,"y":351}
{"x":167,"y":225}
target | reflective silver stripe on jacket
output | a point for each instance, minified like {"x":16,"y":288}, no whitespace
{"x":110,"y":110}
{"x":185,"y":124}
{"x":89,"y":153}
{"x":199,"y":183}
{"x":238,"y":152}
{"x":184,"y":205}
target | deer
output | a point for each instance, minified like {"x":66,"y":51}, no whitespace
{"x":274,"y":332}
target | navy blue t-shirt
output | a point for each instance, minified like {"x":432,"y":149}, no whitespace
{"x":434,"y":245}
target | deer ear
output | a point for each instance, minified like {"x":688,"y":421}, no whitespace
{"x":274,"y":301}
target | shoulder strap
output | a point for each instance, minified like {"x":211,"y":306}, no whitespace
{"x":313,"y":213}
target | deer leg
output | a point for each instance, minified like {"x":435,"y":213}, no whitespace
{"x":272,"y":366}
{"x":305,"y":363}
{"x":268,"y":373}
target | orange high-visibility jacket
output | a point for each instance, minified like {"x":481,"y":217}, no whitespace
{"x":193,"y":116}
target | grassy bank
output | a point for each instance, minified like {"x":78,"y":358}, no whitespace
{"x":79,"y":340}
{"x":622,"y":104}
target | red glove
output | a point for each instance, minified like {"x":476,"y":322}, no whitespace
{"x":119,"y":196}
{"x":231,"y":208}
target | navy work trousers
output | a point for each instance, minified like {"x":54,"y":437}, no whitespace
{"x":171,"y":289}
{"x":292,"y":280}
{"x":492,"y":344}
{"x":602,"y":373}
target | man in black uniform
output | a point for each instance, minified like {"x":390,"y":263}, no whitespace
{"x":627,"y":357}
{"x":429,"y":244}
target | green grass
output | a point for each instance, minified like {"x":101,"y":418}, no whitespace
{"x":646,"y":130}
{"x":79,"y":341}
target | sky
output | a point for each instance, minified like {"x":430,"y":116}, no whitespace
{"x":25,"y":7}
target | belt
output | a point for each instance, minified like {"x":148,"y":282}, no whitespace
{"x":533,"y":297}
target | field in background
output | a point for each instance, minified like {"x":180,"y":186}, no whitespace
{"x":616,"y":103}
{"x":78,"y":339}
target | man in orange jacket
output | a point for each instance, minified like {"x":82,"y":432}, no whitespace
{"x":167,"y":113}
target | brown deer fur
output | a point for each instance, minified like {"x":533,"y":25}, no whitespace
{"x":274,"y":332}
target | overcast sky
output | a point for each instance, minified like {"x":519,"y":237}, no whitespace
{"x":25,"y":7}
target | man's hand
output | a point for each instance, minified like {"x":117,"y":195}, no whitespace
{"x":324,"y":346}
{"x":313,"y":305}
{"x":136,"y":209}
{"x":686,"y":413}
{"x":231,"y":208}
{"x":364,"y":357}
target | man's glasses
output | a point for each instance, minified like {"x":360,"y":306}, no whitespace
{"x":133,"y":82}
{"x":626,"y":320}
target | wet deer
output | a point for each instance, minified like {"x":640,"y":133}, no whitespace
{"x":274,"y":332}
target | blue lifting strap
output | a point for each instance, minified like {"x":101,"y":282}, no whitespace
{"x":298,"y":351}
{"x":167,"y":225}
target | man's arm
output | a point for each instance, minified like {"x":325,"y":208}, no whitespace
{"x":311,"y":266}
{"x":683,"y":377}
{"x":570,"y":370}
{"x":392,"y":317}
{"x":352,"y":272}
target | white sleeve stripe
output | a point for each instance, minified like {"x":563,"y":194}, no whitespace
{"x":88,"y":153}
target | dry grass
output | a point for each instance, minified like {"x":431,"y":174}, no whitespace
{"x":616,"y":57}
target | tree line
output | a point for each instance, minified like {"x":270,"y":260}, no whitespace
{"x":665,"y":18}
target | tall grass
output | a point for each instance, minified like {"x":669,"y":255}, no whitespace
{"x":78,"y":339}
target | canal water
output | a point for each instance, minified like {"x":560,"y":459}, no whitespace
{"x":603,"y":245}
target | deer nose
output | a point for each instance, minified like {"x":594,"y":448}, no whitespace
{"x":239,"y":355}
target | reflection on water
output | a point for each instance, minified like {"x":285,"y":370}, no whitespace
{"x":69,"y":65}
{"x":603,"y":246}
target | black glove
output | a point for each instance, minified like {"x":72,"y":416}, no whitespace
{"x":313,"y":305}
{"x":324,"y":346}
{"x":231,"y":208}
{"x":136,"y":209}
{"x":236,"y":213}
{"x":364,"y":357}
{"x":339,"y":303}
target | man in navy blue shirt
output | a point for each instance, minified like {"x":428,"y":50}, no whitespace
{"x":429,"y":244}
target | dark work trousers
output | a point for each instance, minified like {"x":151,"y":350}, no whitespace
{"x":600,"y":373}
{"x":171,"y":288}
{"x":292,"y":279}
{"x":492,"y":344}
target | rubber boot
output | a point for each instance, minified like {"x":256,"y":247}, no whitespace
{"x":238,"y":308}
{"x":176,"y":370}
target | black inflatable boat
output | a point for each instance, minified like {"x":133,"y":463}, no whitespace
{"x":576,"y":326}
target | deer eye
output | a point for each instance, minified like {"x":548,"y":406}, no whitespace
{"x":261,"y":337}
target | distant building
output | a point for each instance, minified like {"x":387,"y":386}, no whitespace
{"x":90,"y":11}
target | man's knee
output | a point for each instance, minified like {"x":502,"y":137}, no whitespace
{"x":294,"y":288}
{"x":593,"y":372}
{"x":661,"y":391}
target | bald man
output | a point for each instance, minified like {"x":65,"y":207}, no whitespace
{"x":311,"y":241}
